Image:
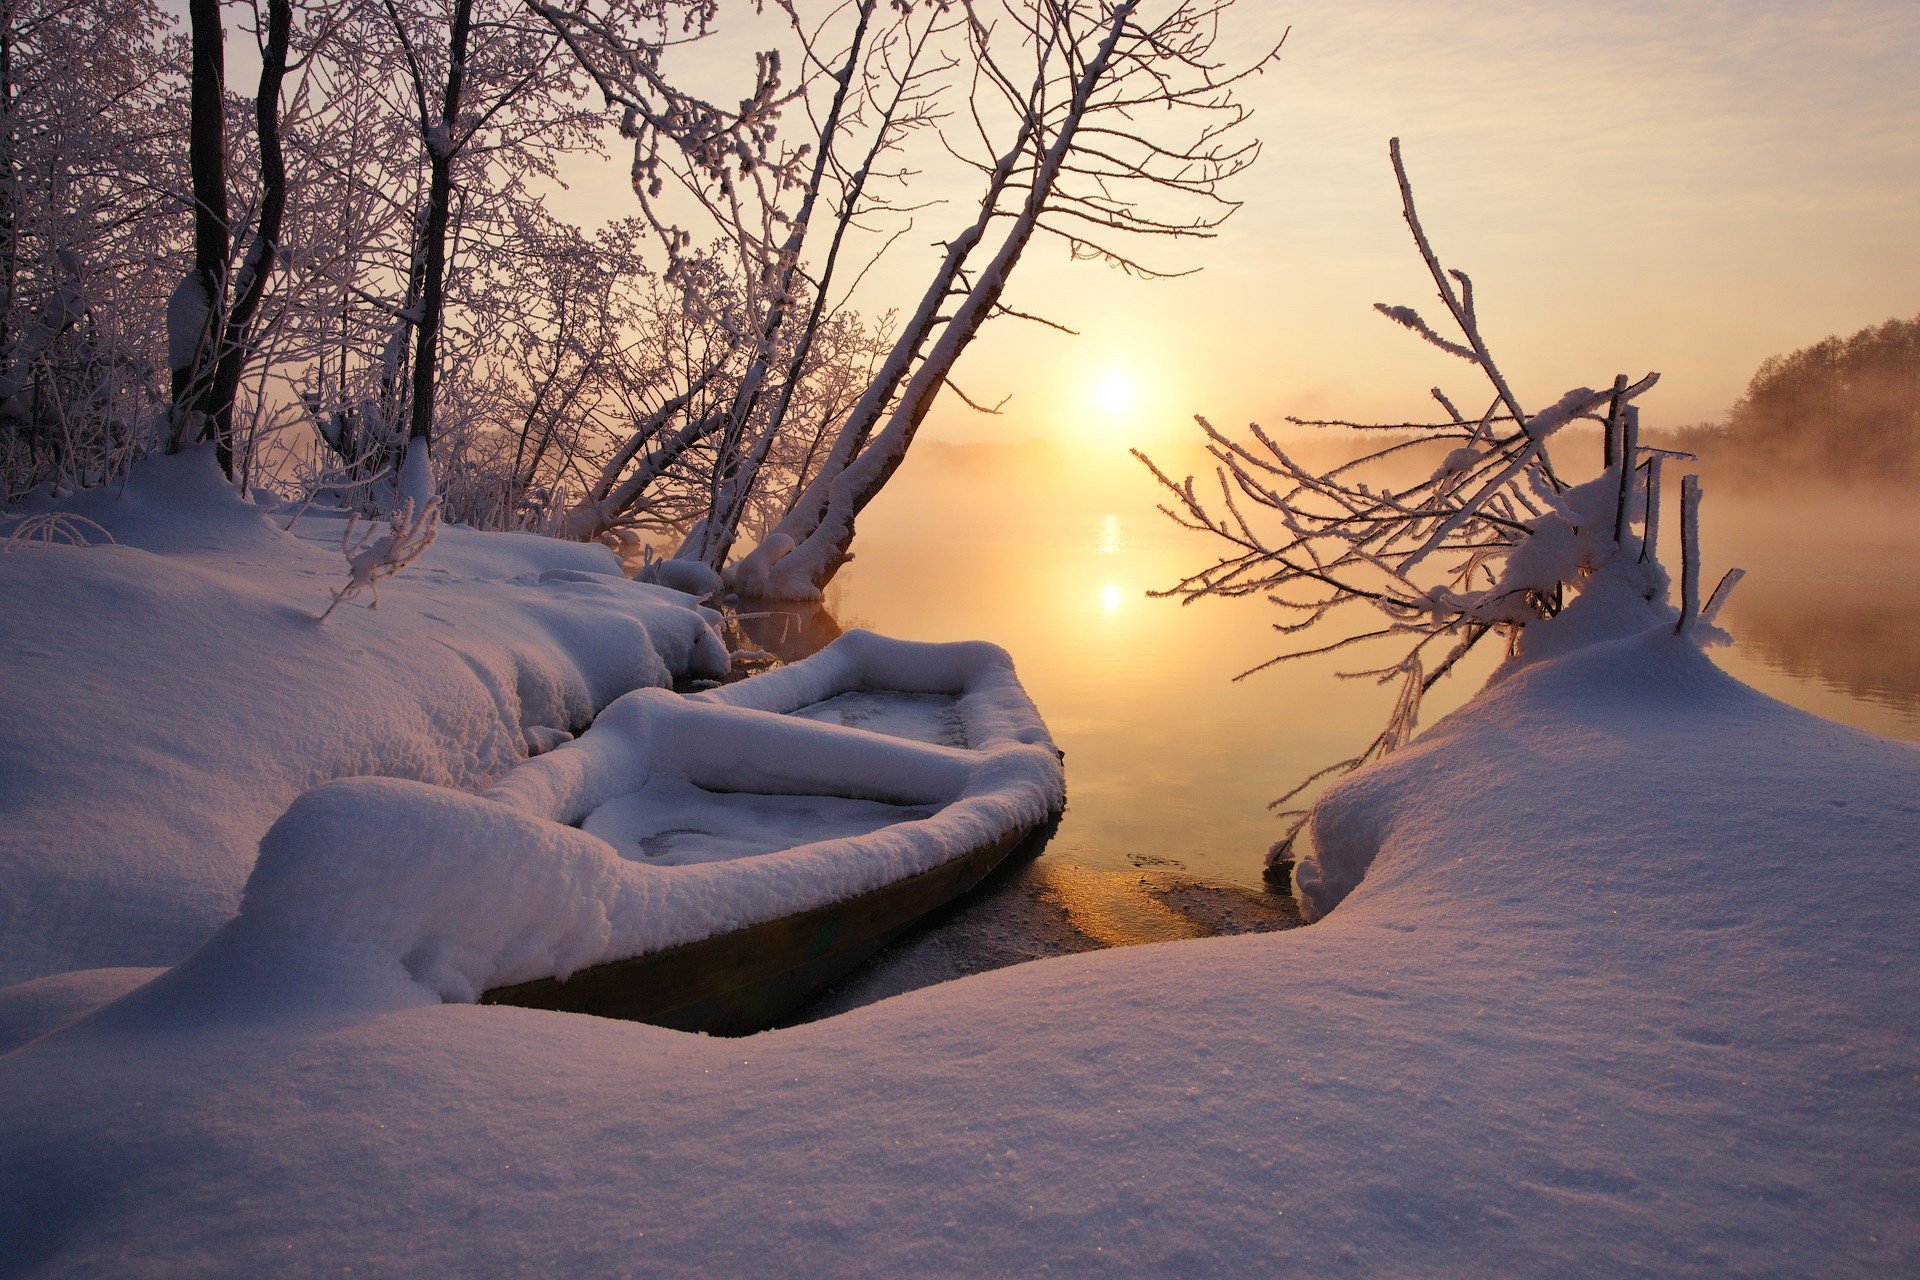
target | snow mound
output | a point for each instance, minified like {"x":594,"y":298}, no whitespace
{"x":688,"y":576}
{"x":1627,"y":989}
{"x":169,"y":694}
{"x":31,"y":1009}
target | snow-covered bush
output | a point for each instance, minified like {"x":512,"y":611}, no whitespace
{"x":1492,"y":540}
{"x":373,"y":558}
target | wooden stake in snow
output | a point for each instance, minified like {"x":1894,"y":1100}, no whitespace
{"x":1651,"y":531}
{"x":1629,"y":462}
{"x":1689,"y":554}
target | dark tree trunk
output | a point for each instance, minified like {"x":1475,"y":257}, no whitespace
{"x":433,"y":231}
{"x":237,"y":342}
{"x":206,"y":155}
{"x":9,"y":191}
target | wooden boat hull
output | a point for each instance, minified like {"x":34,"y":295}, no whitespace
{"x":754,"y":977}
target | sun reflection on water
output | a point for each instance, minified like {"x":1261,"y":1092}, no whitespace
{"x":1169,"y":758}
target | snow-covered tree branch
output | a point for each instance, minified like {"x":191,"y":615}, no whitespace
{"x":1061,"y":152}
{"x":1488,"y":541}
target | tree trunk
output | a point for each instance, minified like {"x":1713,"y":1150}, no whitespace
{"x":9,"y":194}
{"x":752,"y":574}
{"x":236,"y":344}
{"x":735,"y":477}
{"x":416,"y":478}
{"x":193,"y":314}
{"x":804,"y":571}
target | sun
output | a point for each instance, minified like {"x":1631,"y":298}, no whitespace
{"x":1115,"y":393}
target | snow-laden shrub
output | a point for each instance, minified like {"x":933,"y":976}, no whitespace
{"x":381,"y":555}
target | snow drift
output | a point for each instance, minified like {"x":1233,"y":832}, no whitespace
{"x":1627,"y":988}
{"x":168,"y":694}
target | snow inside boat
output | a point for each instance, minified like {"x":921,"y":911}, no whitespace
{"x":775,"y":833}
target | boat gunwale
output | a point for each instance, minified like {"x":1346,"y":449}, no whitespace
{"x":735,"y":983}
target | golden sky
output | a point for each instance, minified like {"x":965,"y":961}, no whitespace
{"x":1687,"y":186}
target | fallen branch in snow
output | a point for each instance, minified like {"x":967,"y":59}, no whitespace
{"x":52,"y":528}
{"x":372,"y":558}
{"x":1488,"y":542}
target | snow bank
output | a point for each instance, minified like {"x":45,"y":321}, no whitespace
{"x":168,"y":695}
{"x":28,"y":1010}
{"x":1351,"y":821}
{"x":689,"y":576}
{"x":1627,"y":988}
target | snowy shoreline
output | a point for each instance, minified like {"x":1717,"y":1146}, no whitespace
{"x":170,"y":694}
{"x":1545,"y":1027}
{"x":1045,"y":909}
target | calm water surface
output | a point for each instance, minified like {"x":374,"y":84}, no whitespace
{"x":1051,"y":555}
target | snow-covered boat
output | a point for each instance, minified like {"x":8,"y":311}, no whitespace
{"x":775,"y":833}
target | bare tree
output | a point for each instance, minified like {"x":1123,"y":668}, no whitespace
{"x":726,"y":166}
{"x":405,"y":215}
{"x":892,"y":76}
{"x":499,"y":69}
{"x":354,"y":177}
{"x":210,"y":318}
{"x":1072,"y":160}
{"x":1491,"y":541}
{"x":91,"y":120}
{"x":1058,"y":151}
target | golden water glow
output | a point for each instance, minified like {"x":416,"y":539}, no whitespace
{"x":1139,"y":691}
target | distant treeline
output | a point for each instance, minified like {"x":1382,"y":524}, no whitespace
{"x":1843,"y":408}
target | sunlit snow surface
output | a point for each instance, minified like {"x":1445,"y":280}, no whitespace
{"x":1618,"y":978}
{"x":673,"y":822}
{"x":923,"y":717}
{"x":165,"y":697}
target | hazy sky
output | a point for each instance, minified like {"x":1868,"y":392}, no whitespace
{"x":1688,"y":186}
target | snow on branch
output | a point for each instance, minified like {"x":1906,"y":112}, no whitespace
{"x":1488,"y":542}
{"x":371,"y":559}
{"x":53,"y":528}
{"x":1409,"y":318}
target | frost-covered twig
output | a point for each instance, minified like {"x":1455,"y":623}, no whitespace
{"x":372,"y":558}
{"x":1489,"y":542}
{"x":52,"y":528}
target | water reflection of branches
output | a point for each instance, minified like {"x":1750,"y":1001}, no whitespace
{"x":1859,"y":641}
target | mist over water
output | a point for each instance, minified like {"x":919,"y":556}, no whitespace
{"x":1050,"y":552}
{"x":1828,"y":617}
